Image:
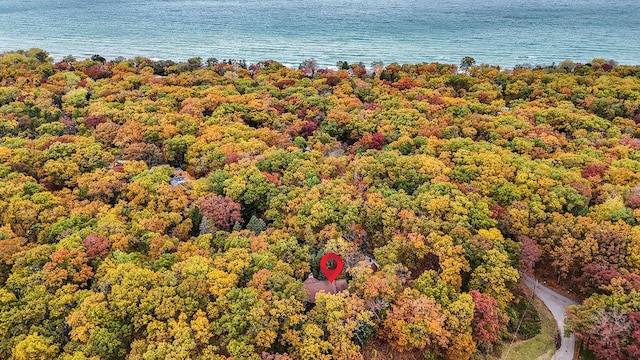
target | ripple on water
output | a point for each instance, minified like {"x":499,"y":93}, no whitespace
{"x":504,"y":32}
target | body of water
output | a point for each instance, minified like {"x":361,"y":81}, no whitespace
{"x":502,"y":32}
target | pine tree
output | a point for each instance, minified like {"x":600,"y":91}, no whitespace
{"x":256,"y":225}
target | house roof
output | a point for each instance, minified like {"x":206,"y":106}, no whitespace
{"x":177,"y":181}
{"x":314,"y":286}
{"x":179,"y":177}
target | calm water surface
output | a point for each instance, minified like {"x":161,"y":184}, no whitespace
{"x":503,"y":32}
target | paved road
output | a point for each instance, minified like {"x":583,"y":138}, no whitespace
{"x":557,"y":304}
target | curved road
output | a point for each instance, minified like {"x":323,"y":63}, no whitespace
{"x":557,"y":304}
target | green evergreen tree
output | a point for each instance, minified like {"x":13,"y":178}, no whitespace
{"x":256,"y":225}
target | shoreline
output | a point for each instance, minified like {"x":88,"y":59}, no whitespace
{"x":326,"y":65}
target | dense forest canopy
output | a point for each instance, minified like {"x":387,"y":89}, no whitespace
{"x":162,"y":210}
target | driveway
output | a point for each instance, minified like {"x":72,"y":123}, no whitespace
{"x":557,"y":304}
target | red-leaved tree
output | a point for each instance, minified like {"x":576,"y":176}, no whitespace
{"x":94,"y":120}
{"x":608,"y":335}
{"x":373,"y":141}
{"x":593,"y":170}
{"x":529,"y":254}
{"x":223,"y":211}
{"x":633,"y":348}
{"x":633,"y":198}
{"x":96,"y":245}
{"x":488,"y":320}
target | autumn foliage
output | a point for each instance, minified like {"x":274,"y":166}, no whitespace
{"x":154,"y":209}
{"x":488,"y":320}
{"x":223,"y":211}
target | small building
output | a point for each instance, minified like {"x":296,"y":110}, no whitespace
{"x":179,"y":177}
{"x":177,"y":181}
{"x":314,"y":286}
{"x":118,"y":165}
{"x":371,"y":263}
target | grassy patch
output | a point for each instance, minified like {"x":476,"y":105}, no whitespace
{"x":540,"y":347}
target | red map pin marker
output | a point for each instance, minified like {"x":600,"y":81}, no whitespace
{"x":331,"y":274}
